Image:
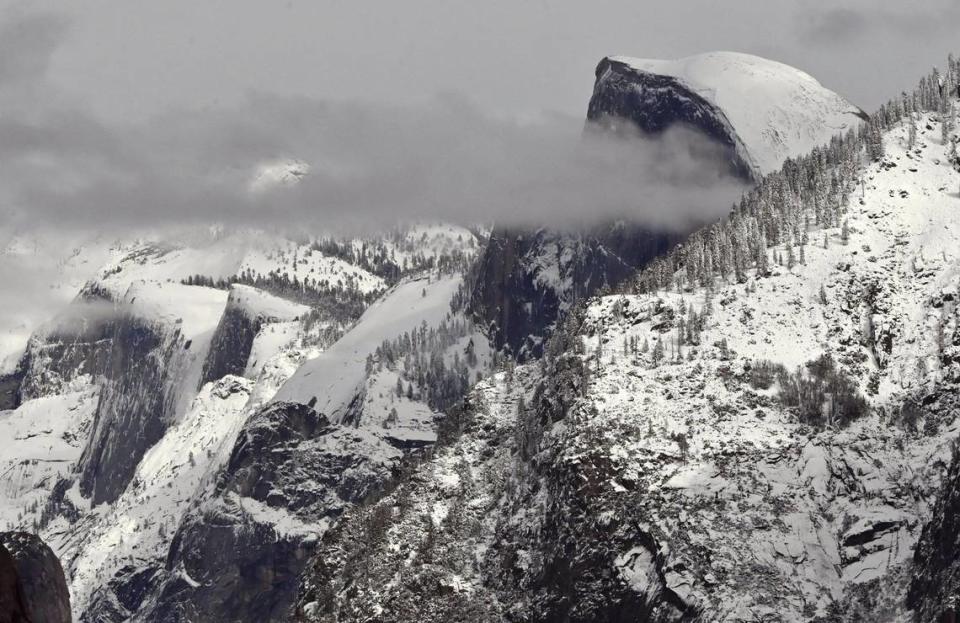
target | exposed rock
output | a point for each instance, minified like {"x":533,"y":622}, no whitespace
{"x":75,"y":344}
{"x":239,"y":555}
{"x":13,"y":608}
{"x":136,"y":402}
{"x":935,"y":588}
{"x":42,"y":588}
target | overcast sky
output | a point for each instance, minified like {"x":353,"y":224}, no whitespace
{"x":128,"y":59}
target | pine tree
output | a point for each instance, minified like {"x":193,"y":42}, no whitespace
{"x":657,"y":355}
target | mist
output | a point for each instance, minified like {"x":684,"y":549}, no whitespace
{"x":370,"y":165}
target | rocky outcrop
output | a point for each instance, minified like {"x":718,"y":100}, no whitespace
{"x":121,"y":597}
{"x":130,"y":414}
{"x":238,"y":556}
{"x":654,"y":103}
{"x":231,"y":345}
{"x":32,"y":584}
{"x":934,"y":593}
{"x":247,"y":313}
{"x":143,"y":385}
{"x":13,"y":608}
{"x":10,"y":389}
{"x":75,"y":344}
{"x":761,"y":111}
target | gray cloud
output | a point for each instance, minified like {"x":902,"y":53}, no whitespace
{"x":27,"y":42}
{"x":833,"y":26}
{"x":857,"y":24}
{"x":372,"y":165}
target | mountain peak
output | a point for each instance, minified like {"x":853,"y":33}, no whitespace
{"x":765,"y":110}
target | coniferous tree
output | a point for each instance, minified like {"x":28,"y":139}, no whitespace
{"x":657,"y":355}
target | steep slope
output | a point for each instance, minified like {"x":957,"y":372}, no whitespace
{"x":761,"y":446}
{"x":159,"y":344}
{"x":129,"y":405}
{"x":330,"y":381}
{"x":253,"y":327}
{"x":526,"y":280}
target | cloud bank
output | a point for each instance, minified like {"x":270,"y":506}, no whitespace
{"x":370,"y":164}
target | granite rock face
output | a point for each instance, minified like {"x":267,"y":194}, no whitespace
{"x":31,"y":569}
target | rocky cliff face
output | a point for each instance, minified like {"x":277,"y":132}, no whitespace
{"x":32,"y":584}
{"x":143,"y":387}
{"x":75,"y":344}
{"x":12,"y":606}
{"x":654,"y":102}
{"x":248,"y":315}
{"x":527,"y":280}
{"x":935,"y":587}
{"x":762,"y":111}
{"x":142,"y":441}
{"x":239,"y":554}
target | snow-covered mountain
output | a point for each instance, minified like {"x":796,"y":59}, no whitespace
{"x":764,"y":110}
{"x":757,"y":427}
{"x":132,"y":413}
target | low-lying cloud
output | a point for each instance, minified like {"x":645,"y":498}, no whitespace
{"x":371,"y":164}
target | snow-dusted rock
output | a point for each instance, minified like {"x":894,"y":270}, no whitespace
{"x":764,"y":110}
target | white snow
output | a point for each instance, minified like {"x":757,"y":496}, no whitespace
{"x":306,"y":265}
{"x":42,"y":439}
{"x":333,"y":377}
{"x":257,"y":303}
{"x":193,"y":309}
{"x":277,"y":174}
{"x":755,"y":484}
{"x":777,"y":111}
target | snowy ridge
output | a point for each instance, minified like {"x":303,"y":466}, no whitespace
{"x":330,"y":381}
{"x":304,"y":264}
{"x":777,"y":111}
{"x":141,"y":522}
{"x":43,"y":439}
{"x":192,"y":310}
{"x":259,"y":304}
{"x":822,"y":530}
